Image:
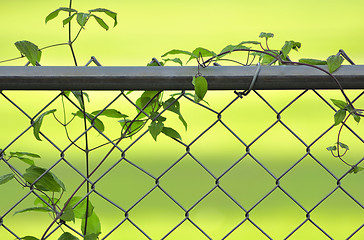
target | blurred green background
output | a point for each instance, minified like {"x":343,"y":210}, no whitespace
{"x":148,"y":29}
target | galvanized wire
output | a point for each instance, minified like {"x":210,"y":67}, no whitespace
{"x":126,"y":213}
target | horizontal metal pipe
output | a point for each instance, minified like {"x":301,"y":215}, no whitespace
{"x":176,"y":78}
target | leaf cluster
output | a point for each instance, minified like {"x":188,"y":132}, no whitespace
{"x":33,"y":53}
{"x":344,"y":108}
{"x":82,"y":18}
{"x":45,"y":181}
{"x":148,"y":107}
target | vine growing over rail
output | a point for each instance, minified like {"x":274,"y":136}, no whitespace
{"x":49,"y":189}
{"x":266,"y":56}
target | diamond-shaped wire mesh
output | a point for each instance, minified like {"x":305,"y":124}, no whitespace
{"x":252,"y":167}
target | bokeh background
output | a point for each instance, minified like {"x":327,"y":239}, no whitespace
{"x":148,"y":29}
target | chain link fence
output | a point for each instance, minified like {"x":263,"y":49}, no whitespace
{"x":247,"y":167}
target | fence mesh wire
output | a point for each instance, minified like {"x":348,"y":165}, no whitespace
{"x":248,"y":167}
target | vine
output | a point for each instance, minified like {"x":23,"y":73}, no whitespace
{"x":49,"y":189}
{"x":268,"y":57}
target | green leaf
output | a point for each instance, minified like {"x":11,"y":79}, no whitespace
{"x":339,"y":116}
{"x":34,"y":209}
{"x":142,"y":103}
{"x":176,"y":94}
{"x":47,"y":183}
{"x":229,"y":48}
{"x":29,"y":238}
{"x":30,"y":51}
{"x":98,"y":124}
{"x":91,"y":236}
{"x":80,"y":209}
{"x":150,"y":94}
{"x":344,"y":146}
{"x":312,"y":61}
{"x":349,"y":109}
{"x":356,"y":169}
{"x":55,"y":13}
{"x":67,"y":236}
{"x":183,"y":120}
{"x":356,"y":118}
{"x":266,"y":35}
{"x":78,"y":96}
{"x":170,"y":132}
{"x":267,"y":59}
{"x":82,"y":18}
{"x":338,"y":103}
{"x":67,"y":93}
{"x":52,"y":15}
{"x":6,"y":178}
{"x":201,"y":85}
{"x":296,"y":45}
{"x":131,"y":126}
{"x":249,"y":42}
{"x":38,"y":123}
{"x":27,"y":160}
{"x":203,"y":52}
{"x":68,"y":19}
{"x":153,"y":105}
{"x":257,"y":54}
{"x":68,"y":214}
{"x":60,"y":183}
{"x":331,"y":148}
{"x":196,"y":98}
{"x":153,"y":116}
{"x":287,"y":48}
{"x":101,"y":22}
{"x":21,"y":154}
{"x":111,"y":113}
{"x":176,"y":60}
{"x":174,"y":107}
{"x":111,"y":14}
{"x":93,"y":225}
{"x":39,"y":201}
{"x":176,"y":51}
{"x":155,"y":128}
{"x":334,"y":62}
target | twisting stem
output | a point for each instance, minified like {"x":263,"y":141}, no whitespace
{"x":70,"y":37}
{"x":12,"y":59}
{"x":73,"y":54}
{"x":278,"y":58}
{"x":53,"y":45}
{"x":338,"y":142}
{"x":99,"y":165}
{"x":78,"y":33}
{"x":231,"y":60}
{"x":283,"y":62}
{"x":87,"y":160}
{"x":266,"y":43}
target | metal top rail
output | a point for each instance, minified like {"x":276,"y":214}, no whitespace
{"x":175,"y":78}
